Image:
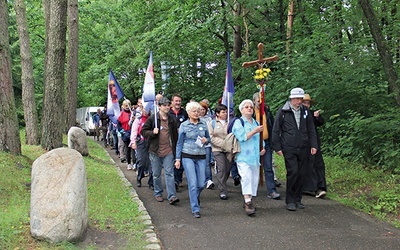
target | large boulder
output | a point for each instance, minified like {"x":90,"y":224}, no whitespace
{"x":77,"y":140}
{"x":59,"y":206}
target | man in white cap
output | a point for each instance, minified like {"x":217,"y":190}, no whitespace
{"x":294,"y":137}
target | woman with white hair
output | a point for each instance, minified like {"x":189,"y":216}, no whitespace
{"x":247,"y":132}
{"x":193,"y":136}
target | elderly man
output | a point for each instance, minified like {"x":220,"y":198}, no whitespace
{"x":294,"y":138}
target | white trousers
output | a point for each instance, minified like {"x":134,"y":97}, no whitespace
{"x":250,"y":176}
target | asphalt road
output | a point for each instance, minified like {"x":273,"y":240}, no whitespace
{"x":323,"y":224}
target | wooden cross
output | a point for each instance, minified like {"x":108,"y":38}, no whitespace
{"x":260,"y":63}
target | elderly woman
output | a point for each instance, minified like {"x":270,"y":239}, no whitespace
{"x":247,"y":131}
{"x":218,"y":130}
{"x":193,"y":136}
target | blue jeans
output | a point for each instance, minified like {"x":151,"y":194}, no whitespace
{"x":195,"y":170}
{"x":157,"y":163}
{"x":268,"y":172}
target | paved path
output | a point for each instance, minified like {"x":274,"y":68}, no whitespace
{"x":323,"y":224}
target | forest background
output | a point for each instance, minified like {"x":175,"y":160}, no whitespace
{"x":345,"y":54}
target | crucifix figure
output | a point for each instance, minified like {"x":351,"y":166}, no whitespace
{"x":260,"y":62}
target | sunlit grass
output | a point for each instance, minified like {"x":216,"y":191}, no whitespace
{"x":110,"y":205}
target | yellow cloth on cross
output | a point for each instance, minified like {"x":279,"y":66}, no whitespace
{"x":264,"y":122}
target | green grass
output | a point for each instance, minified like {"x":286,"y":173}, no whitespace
{"x":369,"y":190}
{"x":110,"y":206}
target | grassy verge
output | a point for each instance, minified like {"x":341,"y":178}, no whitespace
{"x":110,"y":205}
{"x":369,"y":190}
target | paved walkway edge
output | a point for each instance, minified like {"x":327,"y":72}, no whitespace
{"x":151,"y":236}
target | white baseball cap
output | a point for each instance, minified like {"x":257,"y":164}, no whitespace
{"x":296,"y":93}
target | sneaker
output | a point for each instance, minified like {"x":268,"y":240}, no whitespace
{"x":300,"y":205}
{"x":196,"y":215}
{"x":291,"y":207}
{"x":223,"y":197}
{"x":277,"y":183}
{"x":236,"y":180}
{"x":210,"y":184}
{"x":130,"y":167}
{"x":173,"y":200}
{"x":138,"y":183}
{"x":123,"y":160}
{"x":159,"y":199}
{"x":274,"y":195}
{"x":249,"y":208}
{"x":134,"y":167}
{"x":320,"y":193}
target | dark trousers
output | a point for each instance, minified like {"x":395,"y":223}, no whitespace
{"x":314,"y":178}
{"x":143,"y":161}
{"x":296,"y":165}
{"x":178,"y":175}
{"x":268,"y":172}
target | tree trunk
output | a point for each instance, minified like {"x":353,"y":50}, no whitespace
{"x":237,"y":33}
{"x":9,"y":136}
{"x":289,"y":27}
{"x":72,"y":63}
{"x":53,"y":103}
{"x":383,"y":49}
{"x":28,"y":87}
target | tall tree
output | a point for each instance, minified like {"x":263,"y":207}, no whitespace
{"x":72,"y":63}
{"x":9,"y":137}
{"x":383,"y":49}
{"x":53,"y":100}
{"x":27,"y":79}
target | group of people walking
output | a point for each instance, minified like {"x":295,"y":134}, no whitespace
{"x":196,"y":141}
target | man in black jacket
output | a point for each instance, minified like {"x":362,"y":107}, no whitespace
{"x":294,"y":137}
{"x":162,"y":132}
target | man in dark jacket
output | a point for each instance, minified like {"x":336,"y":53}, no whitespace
{"x":162,"y":132}
{"x":180,"y":116}
{"x":294,"y":137}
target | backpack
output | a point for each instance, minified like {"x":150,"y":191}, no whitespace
{"x":231,"y":144}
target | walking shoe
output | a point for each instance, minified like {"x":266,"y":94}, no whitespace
{"x":274,"y":195}
{"x":300,"y":205}
{"x":223,"y":196}
{"x":236,"y":180}
{"x":210,"y":184}
{"x":196,"y":215}
{"x":134,"y":167}
{"x":130,"y":167}
{"x":173,"y":200}
{"x":291,"y":207}
{"x":249,"y":208}
{"x":159,"y":199}
{"x":277,"y":183}
{"x":123,"y":160}
{"x":320,"y":193}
